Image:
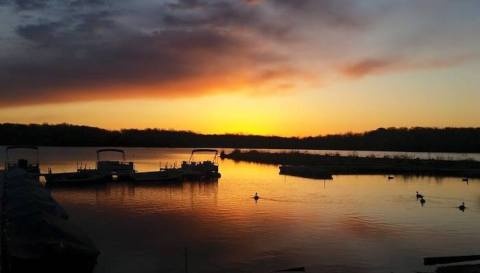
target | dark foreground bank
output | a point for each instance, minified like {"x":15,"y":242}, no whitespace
{"x":36,"y":234}
{"x":336,"y":164}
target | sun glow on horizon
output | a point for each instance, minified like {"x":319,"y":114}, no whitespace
{"x":307,"y":113}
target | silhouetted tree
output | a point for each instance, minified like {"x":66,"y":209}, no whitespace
{"x":387,"y":139}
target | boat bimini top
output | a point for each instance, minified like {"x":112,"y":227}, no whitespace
{"x":110,"y":150}
{"x":204,"y":151}
{"x":23,"y":163}
{"x":110,"y":167}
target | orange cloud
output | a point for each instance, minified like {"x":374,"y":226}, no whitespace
{"x":370,"y":66}
{"x":365,"y":67}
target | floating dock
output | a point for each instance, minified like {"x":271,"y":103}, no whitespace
{"x":124,"y":170}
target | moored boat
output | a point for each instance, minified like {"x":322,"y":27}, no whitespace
{"x":31,"y":166}
{"x":201,"y":170}
{"x":105,"y":171}
{"x":164,"y":175}
{"x":81,"y":177}
{"x":122,"y":169}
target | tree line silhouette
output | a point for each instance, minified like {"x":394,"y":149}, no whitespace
{"x":418,"y":139}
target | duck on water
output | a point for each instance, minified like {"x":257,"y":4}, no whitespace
{"x":419,"y":196}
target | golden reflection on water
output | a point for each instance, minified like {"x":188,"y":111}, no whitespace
{"x":349,"y":224}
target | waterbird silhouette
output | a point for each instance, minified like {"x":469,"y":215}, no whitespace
{"x":256,"y":197}
{"x":462,"y":207}
{"x":390,"y":177}
{"x":465,"y":179}
{"x":422,"y":201}
{"x":419,"y":196}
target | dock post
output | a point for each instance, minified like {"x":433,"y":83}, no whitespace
{"x":186,"y":260}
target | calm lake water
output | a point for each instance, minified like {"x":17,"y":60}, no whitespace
{"x":351,"y":224}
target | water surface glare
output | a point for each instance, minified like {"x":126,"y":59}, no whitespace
{"x":351,"y":224}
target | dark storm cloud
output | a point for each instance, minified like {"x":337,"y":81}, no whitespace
{"x":30,"y":4}
{"x":69,"y":56}
{"x":160,"y":57}
{"x":70,"y":50}
{"x":339,"y":13}
{"x":212,"y":14}
{"x":23,"y":5}
{"x":39,"y":33}
{"x":87,"y":2}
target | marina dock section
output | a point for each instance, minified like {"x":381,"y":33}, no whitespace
{"x":123,"y":170}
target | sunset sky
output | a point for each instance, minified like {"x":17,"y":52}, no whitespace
{"x":283,"y":67}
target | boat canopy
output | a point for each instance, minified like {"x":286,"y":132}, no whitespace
{"x":110,"y":150}
{"x":204,"y":151}
{"x":18,"y":147}
{"x":13,"y":147}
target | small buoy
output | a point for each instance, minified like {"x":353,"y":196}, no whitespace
{"x":256,"y":197}
{"x":462,"y":207}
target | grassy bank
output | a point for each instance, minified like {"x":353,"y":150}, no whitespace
{"x":336,"y":164}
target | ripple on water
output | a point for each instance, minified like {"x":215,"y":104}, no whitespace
{"x":349,"y":224}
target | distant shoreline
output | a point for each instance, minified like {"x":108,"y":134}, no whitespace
{"x":416,"y":139}
{"x":336,"y":164}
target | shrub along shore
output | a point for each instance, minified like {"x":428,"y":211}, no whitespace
{"x":337,"y":164}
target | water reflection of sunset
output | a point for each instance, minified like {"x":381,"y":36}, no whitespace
{"x":295,"y":222}
{"x":325,"y":88}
